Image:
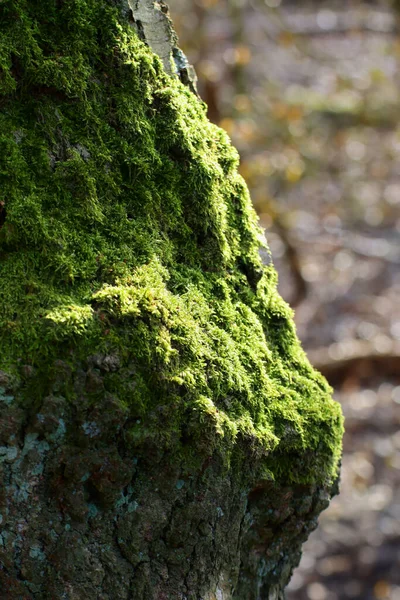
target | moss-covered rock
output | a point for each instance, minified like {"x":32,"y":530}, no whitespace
{"x":129,"y":255}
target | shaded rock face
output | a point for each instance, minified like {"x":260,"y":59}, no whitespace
{"x":162,"y":432}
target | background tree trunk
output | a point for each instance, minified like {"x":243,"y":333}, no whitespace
{"x":162,"y":434}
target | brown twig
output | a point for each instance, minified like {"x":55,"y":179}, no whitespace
{"x":358,"y":356}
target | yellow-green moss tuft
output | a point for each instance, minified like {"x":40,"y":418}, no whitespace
{"x":129,"y":230}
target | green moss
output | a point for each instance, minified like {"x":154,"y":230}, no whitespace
{"x":128,"y":230}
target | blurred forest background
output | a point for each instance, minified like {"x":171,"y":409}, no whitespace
{"x":310,"y":94}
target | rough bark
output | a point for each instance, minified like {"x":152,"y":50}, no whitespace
{"x":154,"y":26}
{"x":88,"y":513}
{"x":162,"y":434}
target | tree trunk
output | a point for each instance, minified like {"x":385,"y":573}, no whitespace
{"x":162,"y":434}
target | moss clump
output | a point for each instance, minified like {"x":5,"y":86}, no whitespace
{"x":128,"y":231}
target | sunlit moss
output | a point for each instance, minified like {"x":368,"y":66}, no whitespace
{"x":128,"y":230}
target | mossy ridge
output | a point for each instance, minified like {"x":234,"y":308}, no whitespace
{"x":128,"y":229}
